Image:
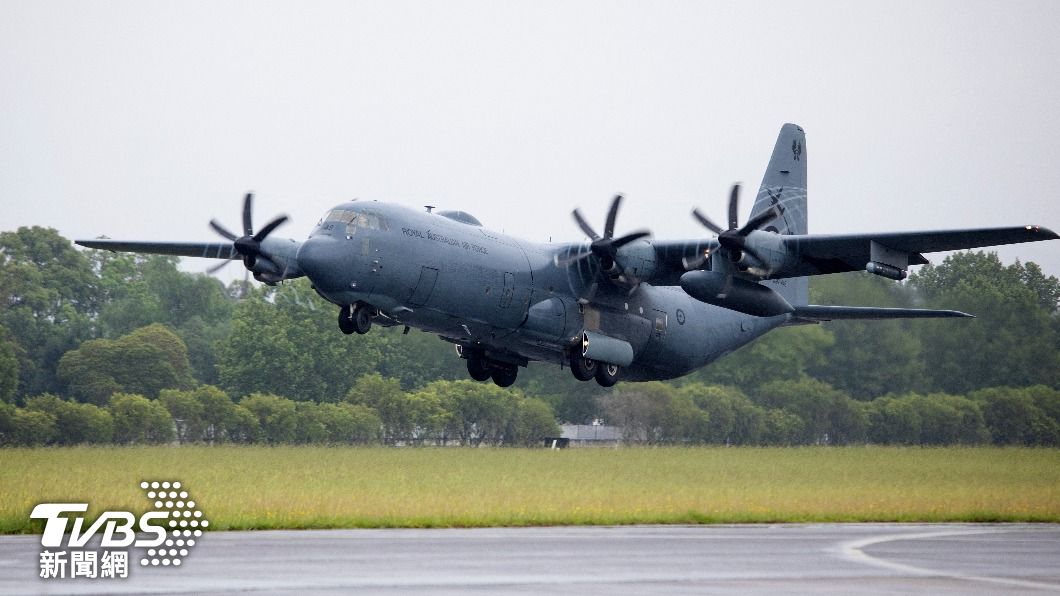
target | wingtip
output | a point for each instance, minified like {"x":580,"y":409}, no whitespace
{"x":1045,"y":232}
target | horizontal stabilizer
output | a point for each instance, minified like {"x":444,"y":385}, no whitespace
{"x":815,"y":313}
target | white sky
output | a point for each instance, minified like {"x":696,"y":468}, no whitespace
{"x":142,"y":120}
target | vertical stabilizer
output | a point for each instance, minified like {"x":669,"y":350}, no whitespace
{"x":784,"y":185}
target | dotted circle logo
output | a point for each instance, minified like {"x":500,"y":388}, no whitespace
{"x":185,"y":523}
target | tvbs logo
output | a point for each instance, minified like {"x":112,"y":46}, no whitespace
{"x":168,"y":532}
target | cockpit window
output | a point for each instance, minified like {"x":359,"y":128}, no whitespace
{"x":354,"y":219}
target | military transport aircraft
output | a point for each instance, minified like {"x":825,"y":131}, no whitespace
{"x":617,"y":307}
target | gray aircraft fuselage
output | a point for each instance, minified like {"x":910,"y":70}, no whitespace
{"x":477,"y":287}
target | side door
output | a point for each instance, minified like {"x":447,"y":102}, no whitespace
{"x":421,"y":293}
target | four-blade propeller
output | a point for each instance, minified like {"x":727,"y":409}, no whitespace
{"x":248,"y":246}
{"x":604,"y":248}
{"x":733,"y":241}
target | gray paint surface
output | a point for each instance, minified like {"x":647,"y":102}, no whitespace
{"x":755,"y":559}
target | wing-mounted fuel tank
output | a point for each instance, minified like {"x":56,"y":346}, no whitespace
{"x":602,"y":348}
{"x":734,"y":293}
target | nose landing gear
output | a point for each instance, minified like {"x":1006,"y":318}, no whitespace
{"x":356,"y":319}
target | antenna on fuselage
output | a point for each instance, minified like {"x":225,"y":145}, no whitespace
{"x":429,"y":207}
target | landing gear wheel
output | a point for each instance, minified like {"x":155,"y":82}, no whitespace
{"x":607,"y":374}
{"x":582,"y":367}
{"x":504,"y":374}
{"x":479,"y":368}
{"x":345,"y":322}
{"x":362,"y":319}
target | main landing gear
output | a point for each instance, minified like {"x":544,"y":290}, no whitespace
{"x":585,"y":368}
{"x":356,"y":319}
{"x":483,"y":369}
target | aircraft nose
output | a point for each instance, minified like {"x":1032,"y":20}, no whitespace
{"x":319,"y":257}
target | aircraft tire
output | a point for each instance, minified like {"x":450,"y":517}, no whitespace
{"x":582,"y":367}
{"x":607,"y":374}
{"x":479,"y":369}
{"x":504,"y":375}
{"x":362,"y":319}
{"x":345,"y":322}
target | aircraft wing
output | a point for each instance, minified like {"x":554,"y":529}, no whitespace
{"x":209,"y":250}
{"x":820,"y":254}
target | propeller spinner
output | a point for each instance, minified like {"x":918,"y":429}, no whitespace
{"x":248,"y":246}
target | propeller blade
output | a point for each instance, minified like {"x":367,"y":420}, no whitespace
{"x":618,"y":243}
{"x":696,"y":261}
{"x":612,"y":213}
{"x":759,"y":220}
{"x":734,"y":206}
{"x":248,"y":228}
{"x":570,"y":259}
{"x":706,"y":222}
{"x":584,"y":225}
{"x":221,"y":265}
{"x":217,"y":227}
{"x":269,"y":227}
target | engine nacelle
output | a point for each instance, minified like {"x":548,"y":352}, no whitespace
{"x":744,"y":296}
{"x":602,"y":348}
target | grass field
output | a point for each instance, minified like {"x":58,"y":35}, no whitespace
{"x":317,"y":487}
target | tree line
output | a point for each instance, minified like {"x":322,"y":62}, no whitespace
{"x":376,"y":411}
{"x":94,"y":329}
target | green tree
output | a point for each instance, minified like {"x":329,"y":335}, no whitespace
{"x":48,"y":296}
{"x":276,"y":416}
{"x":534,"y":421}
{"x":285,"y":340}
{"x":1013,"y":417}
{"x":385,"y":397}
{"x":7,"y":423}
{"x":145,"y":362}
{"x":1013,"y":341}
{"x":187,"y":412}
{"x":32,"y":428}
{"x":476,"y":412}
{"x":782,"y":428}
{"x":351,"y":423}
{"x":828,"y":416}
{"x":732,"y":417}
{"x":138,"y":290}
{"x":140,"y":420}
{"x":310,"y":425}
{"x":8,"y":369}
{"x":75,"y":423}
{"x":221,"y":419}
{"x":868,"y":358}
{"x":641,"y":411}
{"x":893,"y":420}
{"x":242,"y":426}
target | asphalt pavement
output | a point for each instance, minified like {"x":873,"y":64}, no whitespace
{"x":764,"y":559}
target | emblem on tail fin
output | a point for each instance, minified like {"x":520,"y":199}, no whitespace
{"x":796,"y":149}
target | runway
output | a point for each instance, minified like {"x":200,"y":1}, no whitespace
{"x":763,"y":559}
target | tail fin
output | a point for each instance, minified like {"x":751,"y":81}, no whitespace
{"x":784,"y":185}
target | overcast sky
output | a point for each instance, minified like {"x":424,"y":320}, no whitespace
{"x":142,"y":120}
